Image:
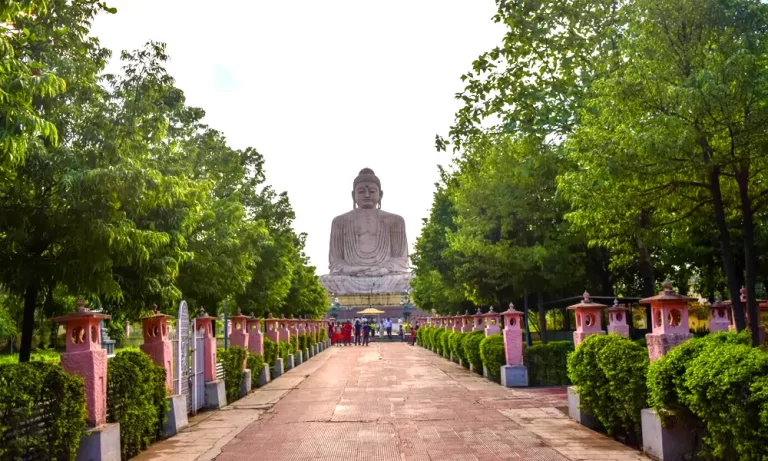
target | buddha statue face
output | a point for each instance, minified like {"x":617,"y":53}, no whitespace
{"x":367,"y":194}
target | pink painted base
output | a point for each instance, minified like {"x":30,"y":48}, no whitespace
{"x":621,"y":330}
{"x":661,"y":343}
{"x":256,"y":343}
{"x":161,"y":354}
{"x":238,"y":338}
{"x":493,"y":330}
{"x":513,"y":346}
{"x":273,"y":335}
{"x":285,"y":336}
{"x":92,"y":367}
{"x":717,"y":327}
{"x":209,"y":359}
{"x":579,"y":336}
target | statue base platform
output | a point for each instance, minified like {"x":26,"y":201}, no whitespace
{"x":349,"y":285}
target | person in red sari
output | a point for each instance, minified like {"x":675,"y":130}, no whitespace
{"x":347,"y":331}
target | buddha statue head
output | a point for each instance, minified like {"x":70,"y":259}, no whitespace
{"x":366,"y":190}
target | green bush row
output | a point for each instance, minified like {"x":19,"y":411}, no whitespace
{"x":465,"y":346}
{"x":233,"y":360}
{"x":548,"y":363}
{"x":136,"y":398}
{"x":294,"y":340}
{"x":24,"y":387}
{"x":493,"y":355}
{"x":322,"y":335}
{"x":255,"y":363}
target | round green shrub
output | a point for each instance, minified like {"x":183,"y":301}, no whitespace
{"x":322,"y":335}
{"x":294,"y":343}
{"x":471,"y":345}
{"x":493,"y":356}
{"x":446,"y":340}
{"x":255,"y":363}
{"x":420,"y":336}
{"x":233,"y":359}
{"x":270,"y":352}
{"x":720,"y":384}
{"x":548,"y":363}
{"x":438,"y":340}
{"x":136,"y":399}
{"x":456,"y":347}
{"x":26,"y":386}
{"x":610,"y":372}
{"x":285,"y":349}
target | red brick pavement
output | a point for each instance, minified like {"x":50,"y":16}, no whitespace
{"x":396,"y":402}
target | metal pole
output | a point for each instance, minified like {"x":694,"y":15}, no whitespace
{"x":226,"y":327}
{"x":525,"y":317}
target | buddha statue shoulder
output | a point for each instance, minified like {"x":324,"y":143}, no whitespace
{"x":367,"y":242}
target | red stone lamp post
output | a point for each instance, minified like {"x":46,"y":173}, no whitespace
{"x":617,"y":319}
{"x":466,"y":322}
{"x":669,"y":318}
{"x":239,"y":335}
{"x":478,"y":320}
{"x":256,"y":339}
{"x":157,"y":344}
{"x":718,"y":317}
{"x":85,"y":357}
{"x":588,"y":320}
{"x":215,"y":396}
{"x":272,"y":327}
{"x":514,"y":373}
{"x":285,"y":333}
{"x":492,"y":322}
{"x":293,"y":326}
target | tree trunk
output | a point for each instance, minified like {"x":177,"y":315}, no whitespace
{"x":542,"y":318}
{"x":750,"y":255}
{"x":726,"y":248}
{"x":646,"y":267}
{"x":28,"y":325}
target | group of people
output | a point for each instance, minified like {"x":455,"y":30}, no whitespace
{"x":362,"y":330}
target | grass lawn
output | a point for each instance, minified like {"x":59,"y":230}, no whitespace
{"x":38,"y":356}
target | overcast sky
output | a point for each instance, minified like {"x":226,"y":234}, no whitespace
{"x":322,"y":89}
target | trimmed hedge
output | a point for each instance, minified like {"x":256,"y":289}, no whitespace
{"x":457,"y":349}
{"x":233,"y":359}
{"x":421,"y":334}
{"x":270,"y":353}
{"x":285,"y":349}
{"x":493,"y":356}
{"x":548,"y":363}
{"x":25,"y":386}
{"x":471,"y":345}
{"x":447,"y":340}
{"x":610,"y":374}
{"x":322,"y":335}
{"x":136,"y":399}
{"x":255,"y":363}
{"x":303,"y":342}
{"x":295,"y":344}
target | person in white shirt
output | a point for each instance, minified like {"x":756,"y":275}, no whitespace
{"x":388,"y":327}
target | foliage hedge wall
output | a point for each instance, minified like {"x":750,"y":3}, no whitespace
{"x":294,"y":344}
{"x":548,"y":363}
{"x":471,"y":345}
{"x":233,"y":359}
{"x":136,"y":398}
{"x":23,"y":386}
{"x":322,"y":335}
{"x":284,"y":350}
{"x":270,"y":353}
{"x":493,"y":355}
{"x":255,"y":363}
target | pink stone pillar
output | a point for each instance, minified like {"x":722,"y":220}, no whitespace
{"x":293,"y":326}
{"x":588,"y":321}
{"x":457,"y":324}
{"x":157,"y":344}
{"x":513,"y":336}
{"x":492,"y":322}
{"x":272,"y":327}
{"x":302,"y":326}
{"x":718,"y":317}
{"x":256,"y":339}
{"x":669,"y":318}
{"x":617,"y":319}
{"x":204,"y":324}
{"x":239,"y":335}
{"x":478,"y":320}
{"x":84,"y":357}
{"x":285,"y":333}
{"x":466,"y":323}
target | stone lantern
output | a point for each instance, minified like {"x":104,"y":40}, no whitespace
{"x":239,"y":334}
{"x":285,"y":332}
{"x":466,"y":322}
{"x":272,"y":327}
{"x":718,"y":317}
{"x":157,"y":344}
{"x":669,"y":318}
{"x":588,"y":320}
{"x":215,"y":395}
{"x":492,"y":322}
{"x":293,"y":326}
{"x":302,"y":326}
{"x":514,"y":373}
{"x":617,"y":319}
{"x":256,"y":338}
{"x":457,"y":323}
{"x":85,"y":357}
{"x":478,"y":320}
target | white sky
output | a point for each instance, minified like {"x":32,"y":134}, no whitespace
{"x":321,"y":89}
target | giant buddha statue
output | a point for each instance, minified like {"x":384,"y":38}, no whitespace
{"x":369,"y":250}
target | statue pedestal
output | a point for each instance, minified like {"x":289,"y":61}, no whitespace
{"x":347,"y":284}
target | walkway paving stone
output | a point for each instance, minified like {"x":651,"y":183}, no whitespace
{"x":390,"y":402}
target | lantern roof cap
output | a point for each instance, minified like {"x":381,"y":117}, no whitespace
{"x":511,"y":310}
{"x":491,"y":313}
{"x":616,"y":307}
{"x":82,"y":312}
{"x":667,"y":294}
{"x":586,"y":303}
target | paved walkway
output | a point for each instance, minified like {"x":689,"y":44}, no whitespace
{"x":388,"y":402}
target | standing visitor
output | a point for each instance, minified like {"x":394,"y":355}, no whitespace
{"x":358,"y":338}
{"x":401,"y":333}
{"x":347,"y":331}
{"x":366,"y":333}
{"x":413,"y":333}
{"x":388,"y":327}
{"x":338,"y":336}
